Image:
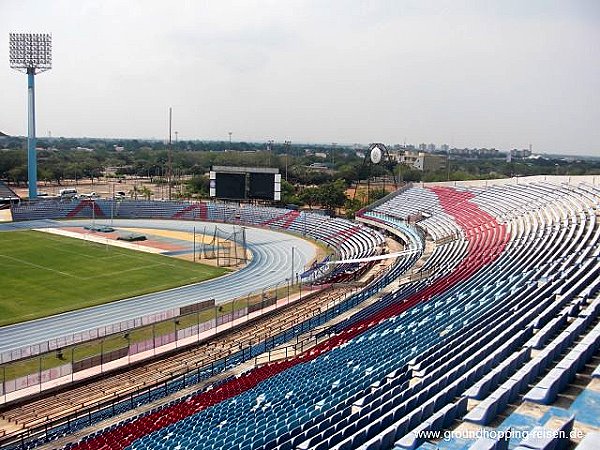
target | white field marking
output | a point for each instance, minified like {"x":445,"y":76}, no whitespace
{"x":37,"y":266}
{"x":169,"y":261}
{"x":104,"y":241}
{"x":132,"y":269}
{"x":58,"y":247}
{"x":127,"y":245}
{"x":100,"y":240}
{"x":79,"y":254}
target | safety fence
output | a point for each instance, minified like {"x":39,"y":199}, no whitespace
{"x":72,"y":358}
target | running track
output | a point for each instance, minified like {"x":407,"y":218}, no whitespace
{"x":271,"y":264}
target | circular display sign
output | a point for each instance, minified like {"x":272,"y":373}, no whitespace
{"x":376,"y":155}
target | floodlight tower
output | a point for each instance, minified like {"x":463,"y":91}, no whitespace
{"x":31,"y":53}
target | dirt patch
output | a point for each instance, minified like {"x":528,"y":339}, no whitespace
{"x":103,"y":187}
{"x":5,"y":215}
{"x":171,"y":234}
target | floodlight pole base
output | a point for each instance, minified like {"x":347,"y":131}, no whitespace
{"x":31,"y":140}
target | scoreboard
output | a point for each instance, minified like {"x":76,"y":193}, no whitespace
{"x":245,"y":183}
{"x":262,"y":186}
{"x":230,"y":185}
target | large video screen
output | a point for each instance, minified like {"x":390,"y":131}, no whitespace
{"x":231,"y":185}
{"x":262,"y":186}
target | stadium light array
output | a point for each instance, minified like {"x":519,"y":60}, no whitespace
{"x":30,"y":53}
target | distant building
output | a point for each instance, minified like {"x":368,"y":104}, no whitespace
{"x":427,"y":162}
{"x":475,"y":152}
{"x":422,"y":147}
{"x":421,"y":160}
{"x":459,"y":151}
{"x":525,"y":153}
{"x":431,"y":148}
{"x":320,"y":167}
{"x":445,"y":148}
{"x":320,"y":155}
{"x":396,"y":155}
{"x":408,"y":157}
{"x":491,"y":152}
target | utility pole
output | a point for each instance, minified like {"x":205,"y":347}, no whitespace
{"x":112,"y":205}
{"x":170,"y":156}
{"x":287,"y":151}
{"x":269,"y":150}
{"x":292,"y":277}
{"x":244,"y":244}
{"x":333,"y":144}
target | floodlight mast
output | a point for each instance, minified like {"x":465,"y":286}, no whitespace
{"x":31,"y":53}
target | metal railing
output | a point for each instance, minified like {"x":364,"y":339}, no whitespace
{"x":63,"y":362}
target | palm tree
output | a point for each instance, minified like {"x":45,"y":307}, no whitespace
{"x":133,"y":193}
{"x":146,"y":192}
{"x":142,"y":191}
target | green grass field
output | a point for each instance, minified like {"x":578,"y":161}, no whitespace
{"x":43,"y":274}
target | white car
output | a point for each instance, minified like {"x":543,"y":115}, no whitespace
{"x":91,"y":195}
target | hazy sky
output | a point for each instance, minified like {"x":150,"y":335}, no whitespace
{"x":502,"y":73}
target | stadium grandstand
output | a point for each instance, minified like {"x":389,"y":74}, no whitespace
{"x":482,"y":331}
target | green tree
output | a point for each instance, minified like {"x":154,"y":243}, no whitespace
{"x":198,"y":185}
{"x":333,"y":195}
{"x":352,"y":205}
{"x":18,"y":174}
{"x":288,"y":193}
{"x":310,"y":196}
{"x":377,"y":194}
{"x":412,"y":175}
{"x":350,"y":171}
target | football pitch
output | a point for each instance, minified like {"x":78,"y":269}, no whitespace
{"x":43,"y":274}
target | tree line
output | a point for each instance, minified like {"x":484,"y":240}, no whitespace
{"x":61,"y":159}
